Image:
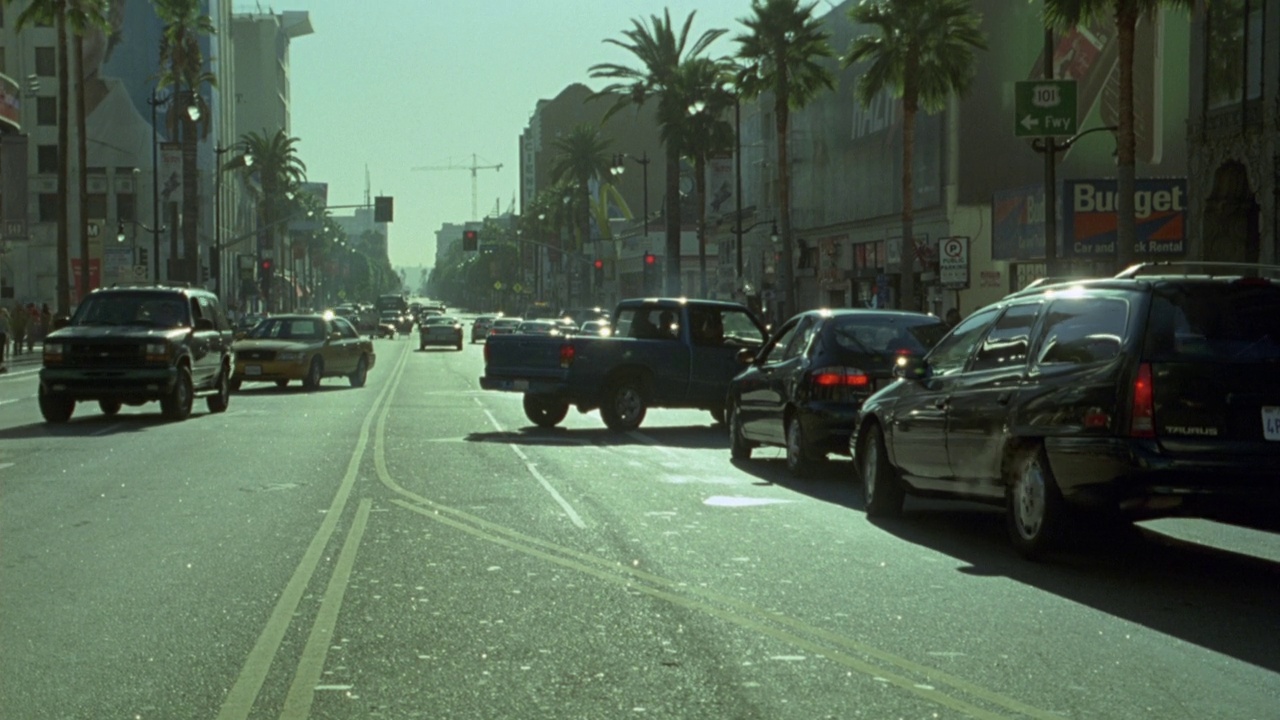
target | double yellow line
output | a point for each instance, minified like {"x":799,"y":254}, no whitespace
{"x":925,"y":682}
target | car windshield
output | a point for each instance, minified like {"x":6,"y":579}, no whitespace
{"x":128,"y":308}
{"x":874,"y":334}
{"x":300,"y":329}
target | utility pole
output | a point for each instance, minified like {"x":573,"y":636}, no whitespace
{"x":473,"y":167}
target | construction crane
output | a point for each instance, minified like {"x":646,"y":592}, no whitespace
{"x":473,"y":167}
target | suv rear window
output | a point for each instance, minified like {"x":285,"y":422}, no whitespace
{"x":1237,"y":322}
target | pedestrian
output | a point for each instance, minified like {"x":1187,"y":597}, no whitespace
{"x":4,"y":336}
{"x":18,"y":327}
{"x":34,"y":329}
{"x":46,"y":318}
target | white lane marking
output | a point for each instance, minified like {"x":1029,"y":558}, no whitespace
{"x":4,"y":466}
{"x":728,"y":501}
{"x":13,"y":400}
{"x":533,"y":470}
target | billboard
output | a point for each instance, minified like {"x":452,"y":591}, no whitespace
{"x":1089,"y":217}
{"x":10,"y":103}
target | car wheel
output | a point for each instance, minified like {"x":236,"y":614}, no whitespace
{"x":219,"y":401}
{"x":422,"y":347}
{"x":624,"y":406}
{"x":545,"y":411}
{"x":717,"y":414}
{"x":235,"y":384}
{"x":1035,"y":510}
{"x":361,"y":374}
{"x":55,"y":408}
{"x":177,"y":404}
{"x":459,"y":345}
{"x":109,"y":407}
{"x":739,"y":446}
{"x":882,"y":489}
{"x":315,"y":372}
{"x":282,"y":383}
{"x":801,"y":460}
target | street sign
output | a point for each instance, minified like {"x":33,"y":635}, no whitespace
{"x":497,"y":285}
{"x":140,"y":272}
{"x":518,"y":287}
{"x":1044,"y":108}
{"x":953,"y":262}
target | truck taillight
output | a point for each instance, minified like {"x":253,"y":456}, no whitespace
{"x":567,"y":353}
{"x":1142,"y":423}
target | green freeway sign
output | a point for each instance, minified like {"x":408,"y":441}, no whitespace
{"x":1044,"y":108}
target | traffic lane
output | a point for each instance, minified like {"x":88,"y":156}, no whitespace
{"x":144,"y":558}
{"x":904,"y":589}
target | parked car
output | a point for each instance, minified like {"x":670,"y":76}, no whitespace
{"x":673,"y":353}
{"x":131,"y":345}
{"x":1150,"y":394}
{"x":440,"y":330}
{"x":309,"y":348}
{"x":803,"y":390}
{"x":480,"y":327}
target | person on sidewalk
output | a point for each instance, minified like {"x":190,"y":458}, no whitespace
{"x":35,"y":331}
{"x":18,"y":328}
{"x":4,"y":337}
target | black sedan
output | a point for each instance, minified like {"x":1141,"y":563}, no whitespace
{"x":440,"y":330}
{"x":803,"y":390}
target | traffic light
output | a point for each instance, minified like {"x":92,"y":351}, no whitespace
{"x":598,"y":267}
{"x":470,"y":240}
{"x":382,"y":209}
{"x":650,"y":271}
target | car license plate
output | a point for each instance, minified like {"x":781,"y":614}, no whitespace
{"x":252,"y":369}
{"x":1271,"y":422}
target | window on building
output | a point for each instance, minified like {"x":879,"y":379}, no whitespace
{"x":46,"y":62}
{"x":47,"y":159}
{"x":126,"y":207}
{"x":46,"y":110}
{"x":95,"y":206}
{"x":1233,"y":31}
{"x":48,"y":207}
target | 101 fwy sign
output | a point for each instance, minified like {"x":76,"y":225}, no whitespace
{"x":1089,"y":220}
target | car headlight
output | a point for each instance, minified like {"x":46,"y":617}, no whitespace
{"x":53,"y":352}
{"x":157,"y":352}
{"x":289,"y":356}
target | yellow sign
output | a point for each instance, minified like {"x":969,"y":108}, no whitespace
{"x":518,"y":287}
{"x":497,"y":285}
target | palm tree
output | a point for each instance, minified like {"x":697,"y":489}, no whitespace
{"x":83,"y":16}
{"x":183,"y":69}
{"x":54,"y":12}
{"x":703,"y":82}
{"x":279,"y":171}
{"x":781,"y":54}
{"x":660,"y":50}
{"x":923,"y":52}
{"x":1070,"y":13}
{"x":583,"y":157}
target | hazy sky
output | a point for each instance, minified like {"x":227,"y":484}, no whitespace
{"x":395,"y":84}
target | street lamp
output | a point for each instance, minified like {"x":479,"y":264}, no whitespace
{"x":243,"y":160}
{"x":619,"y":167}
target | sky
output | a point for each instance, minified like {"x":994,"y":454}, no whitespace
{"x":398,"y":84}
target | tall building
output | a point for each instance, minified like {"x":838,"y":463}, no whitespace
{"x":262,"y":43}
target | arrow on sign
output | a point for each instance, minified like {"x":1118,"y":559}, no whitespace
{"x":1029,"y":122}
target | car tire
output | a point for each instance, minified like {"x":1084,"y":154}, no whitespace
{"x":739,"y":446}
{"x":315,"y":372}
{"x":801,"y":460}
{"x":458,"y":347}
{"x":361,"y":373}
{"x":282,"y":383}
{"x":55,"y":409}
{"x":624,"y":405}
{"x":235,"y":384}
{"x":882,"y":490}
{"x":177,"y":404}
{"x":717,"y":414}
{"x":1035,"y":513}
{"x":109,"y":407}
{"x":219,"y":401}
{"x":545,"y":411}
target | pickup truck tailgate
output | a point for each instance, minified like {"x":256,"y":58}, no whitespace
{"x":523,"y":362}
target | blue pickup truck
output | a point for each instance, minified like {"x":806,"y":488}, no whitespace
{"x":662,"y":353}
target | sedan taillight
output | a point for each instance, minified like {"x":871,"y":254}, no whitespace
{"x":837,"y":383}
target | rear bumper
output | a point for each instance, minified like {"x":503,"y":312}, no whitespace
{"x":829,"y":425}
{"x":1138,"y":477}
{"x":269,"y":370}
{"x":116,"y":383}
{"x":454,"y":339}
{"x":530,"y":386}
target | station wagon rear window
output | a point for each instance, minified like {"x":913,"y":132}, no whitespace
{"x":1080,"y":331}
{"x":1227,"y":323}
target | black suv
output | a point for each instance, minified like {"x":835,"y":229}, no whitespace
{"x":131,"y":345}
{"x":1150,"y":394}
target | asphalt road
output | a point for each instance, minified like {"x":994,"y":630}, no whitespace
{"x":415,"y":549}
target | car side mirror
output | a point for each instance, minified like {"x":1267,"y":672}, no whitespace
{"x":335,"y":335}
{"x":911,"y":367}
{"x":203,"y":324}
{"x":746,"y":356}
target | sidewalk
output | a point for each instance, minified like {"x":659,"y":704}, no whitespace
{"x":25,"y":360}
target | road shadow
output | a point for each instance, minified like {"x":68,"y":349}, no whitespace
{"x":440,"y":348}
{"x":1217,"y":599}
{"x":832,"y":481}
{"x":294,"y":388}
{"x":90,"y":422}
{"x":692,"y":437}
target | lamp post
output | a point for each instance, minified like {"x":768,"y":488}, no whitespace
{"x":243,"y":160}
{"x":155,"y":101}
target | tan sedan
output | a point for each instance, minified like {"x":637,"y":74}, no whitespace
{"x":309,"y":348}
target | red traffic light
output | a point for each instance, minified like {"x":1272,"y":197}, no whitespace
{"x":599,"y":264}
{"x":649,"y":259}
{"x":266,"y":264}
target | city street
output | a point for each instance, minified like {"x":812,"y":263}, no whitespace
{"x":418,"y":549}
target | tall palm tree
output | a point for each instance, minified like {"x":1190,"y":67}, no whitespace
{"x":278,"y":171}
{"x":1070,"y":13}
{"x":183,"y":69}
{"x":704,"y":83}
{"x":583,"y":157}
{"x":660,"y":50}
{"x":922,"y":51}
{"x":781,"y":54}
{"x":82,"y":17}
{"x":54,"y":12}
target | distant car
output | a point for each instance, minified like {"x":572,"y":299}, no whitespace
{"x":440,"y":330}
{"x":302,"y":347}
{"x":541,"y":327}
{"x":504,"y":326}
{"x":595,"y":327}
{"x":803,"y":390}
{"x":480,"y":327}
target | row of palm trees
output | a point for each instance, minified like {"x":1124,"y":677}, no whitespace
{"x":922,"y":51}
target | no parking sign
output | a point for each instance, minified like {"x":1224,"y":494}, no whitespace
{"x":953,"y":262}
